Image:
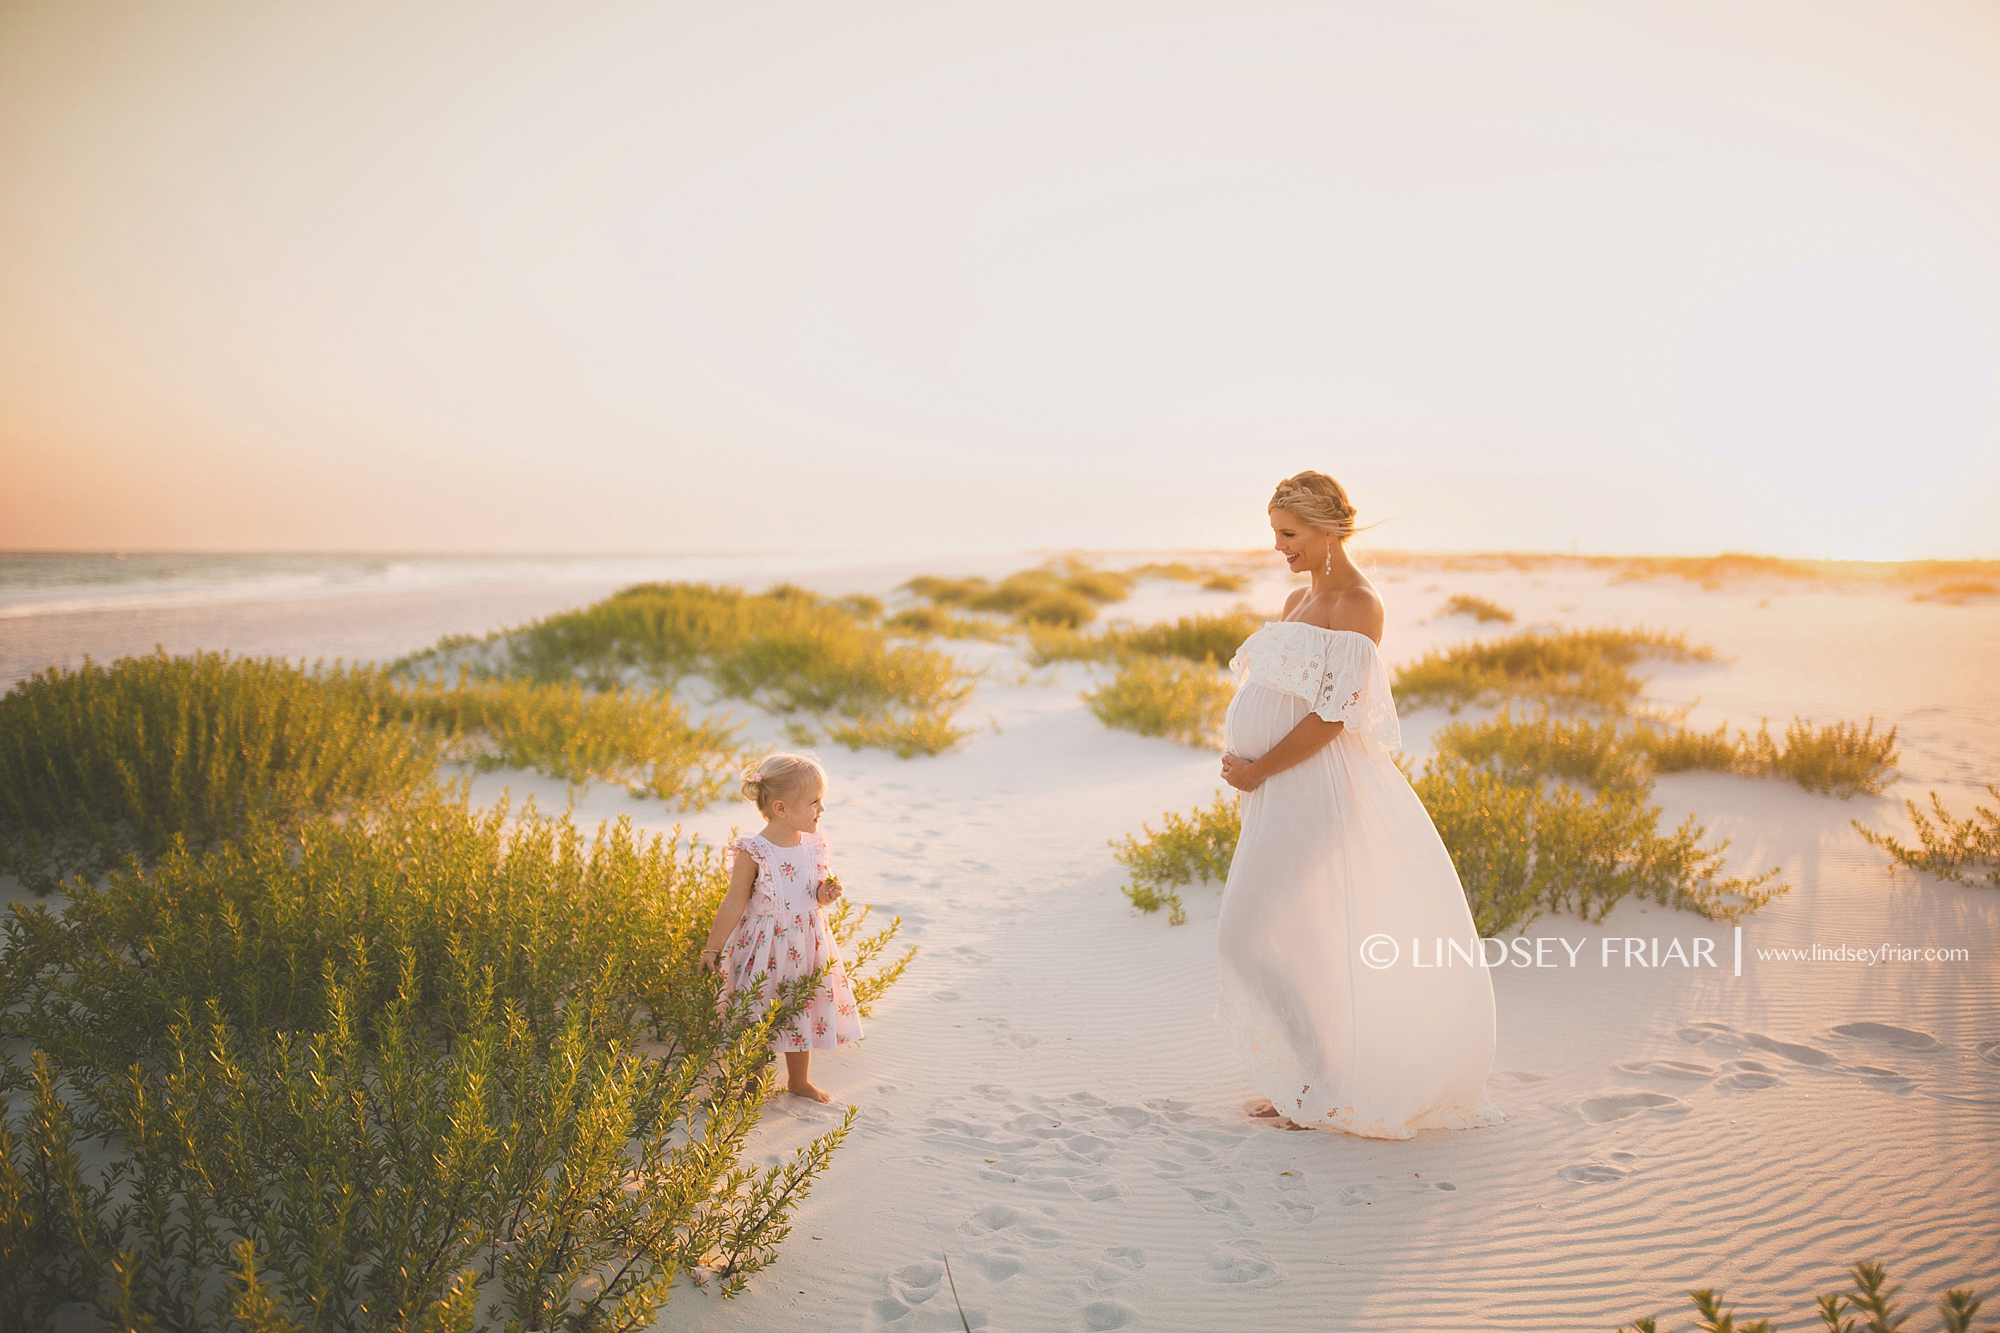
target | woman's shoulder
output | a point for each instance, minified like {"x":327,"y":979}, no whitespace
{"x":1356,"y":610}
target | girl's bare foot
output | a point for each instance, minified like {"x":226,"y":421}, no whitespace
{"x":1261,"y":1108}
{"x":810,"y":1091}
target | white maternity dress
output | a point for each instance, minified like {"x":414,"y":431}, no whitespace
{"x":1338,"y":855}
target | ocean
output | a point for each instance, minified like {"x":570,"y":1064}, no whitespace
{"x":58,"y":609}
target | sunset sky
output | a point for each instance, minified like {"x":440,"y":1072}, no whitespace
{"x":929,"y":277}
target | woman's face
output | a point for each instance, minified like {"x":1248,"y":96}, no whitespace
{"x":1292,"y":539}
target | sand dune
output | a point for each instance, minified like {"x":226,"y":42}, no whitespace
{"x":1047,"y":1101}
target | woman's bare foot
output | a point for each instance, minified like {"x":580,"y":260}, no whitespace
{"x":1261,"y":1108}
{"x":811,"y":1092}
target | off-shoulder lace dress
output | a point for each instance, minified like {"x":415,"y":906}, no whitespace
{"x":1339,"y":901}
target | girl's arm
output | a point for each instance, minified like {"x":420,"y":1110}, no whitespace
{"x":1313,"y":734}
{"x":742,"y":875}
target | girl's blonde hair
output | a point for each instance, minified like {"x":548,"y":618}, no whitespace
{"x":1319,"y":501}
{"x":780,"y":776}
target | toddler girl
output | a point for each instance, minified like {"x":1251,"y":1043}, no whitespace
{"x":771,"y":919}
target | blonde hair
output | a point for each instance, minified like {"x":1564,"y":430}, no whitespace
{"x":780,"y":776}
{"x":1319,"y":502}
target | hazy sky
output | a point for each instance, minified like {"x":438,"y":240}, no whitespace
{"x":648,"y":276}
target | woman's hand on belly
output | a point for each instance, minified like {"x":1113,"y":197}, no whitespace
{"x":1242,"y":774}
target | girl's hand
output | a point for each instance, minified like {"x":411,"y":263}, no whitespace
{"x":1241,"y":774}
{"x":828,"y":891}
{"x":711,"y":962}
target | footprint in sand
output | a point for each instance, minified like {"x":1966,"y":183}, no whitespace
{"x":1296,"y":1198}
{"x":997,"y":1218}
{"x":1114,"y":1265}
{"x":909,"y":1288}
{"x":1219,"y":1203}
{"x":1516,"y":1076}
{"x":1797,"y":1054}
{"x":1623,"y":1105}
{"x":1593,"y":1173}
{"x":1748,"y":1076}
{"x":1721,"y":1034}
{"x":1675,"y":1069}
{"x":1884,"y":1034}
{"x":1989,"y":1051}
{"x":1889,"y":1080}
{"x":1004,"y":1034}
{"x":1242,"y":1263}
{"x":1099,"y":1315}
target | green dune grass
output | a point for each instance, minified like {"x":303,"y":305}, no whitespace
{"x":103,"y":763}
{"x":352,"y":1074}
{"x":1869,"y":1297}
{"x":1164,"y":696}
{"x":1966,"y":851}
{"x":1465,"y":604}
{"x":786,"y":649}
{"x":1585,"y":668}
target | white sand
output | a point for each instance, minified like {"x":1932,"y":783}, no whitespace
{"x":1046,"y":1098}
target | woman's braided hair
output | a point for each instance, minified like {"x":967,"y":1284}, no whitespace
{"x":1318,"y":501}
{"x":780,"y":776}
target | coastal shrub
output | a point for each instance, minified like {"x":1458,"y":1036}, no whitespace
{"x":643,"y":742}
{"x":936,"y":621}
{"x":1628,"y":753}
{"x":355,"y":1076}
{"x":1840,"y":758}
{"x":1956,"y":592}
{"x":1188,"y":849}
{"x":905,"y":737}
{"x":785,"y":649}
{"x":1870,"y":1297}
{"x":1606,"y":755}
{"x":1198,"y":638}
{"x":1464,"y":604}
{"x":1209,"y":577}
{"x":1585,"y":668}
{"x":1966,"y":851}
{"x":102,"y":763}
{"x":1522,"y":847}
{"x":1164,"y":696}
{"x":1066,"y":595}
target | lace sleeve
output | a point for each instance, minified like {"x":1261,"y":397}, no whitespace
{"x":1338,"y":672}
{"x":1354,"y":690}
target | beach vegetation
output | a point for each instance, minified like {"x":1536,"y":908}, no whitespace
{"x":1868,"y":1297}
{"x":1164,"y":696}
{"x":1582,"y":668}
{"x":1524,"y":848}
{"x":103,"y":763}
{"x":1965,"y":851}
{"x":1479,"y":608}
{"x":1188,"y":849}
{"x":1627,"y":753}
{"x":1957,"y":592}
{"x":1198,"y":638}
{"x":1838,"y":758}
{"x":422,"y":1067}
{"x":785,"y":649}
{"x":1210,"y":578}
{"x":940,"y":622}
{"x":1066,"y":594}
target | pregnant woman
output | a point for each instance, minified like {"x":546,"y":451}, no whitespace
{"x":1339,"y":874}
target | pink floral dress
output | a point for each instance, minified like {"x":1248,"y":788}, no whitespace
{"x":784,"y":936}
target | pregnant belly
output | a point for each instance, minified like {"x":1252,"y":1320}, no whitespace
{"x":1259,"y":717}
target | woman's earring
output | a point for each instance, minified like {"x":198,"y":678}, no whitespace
{"x":1329,"y":559}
